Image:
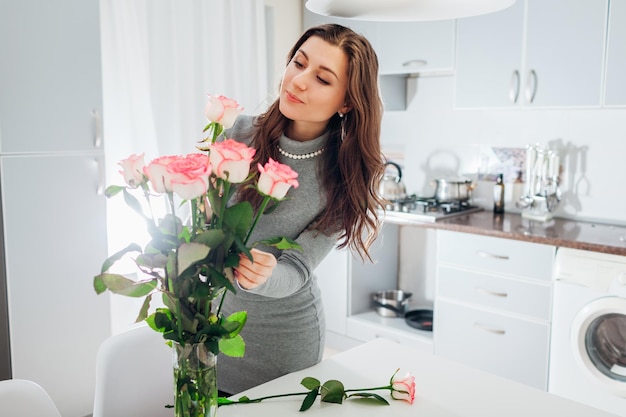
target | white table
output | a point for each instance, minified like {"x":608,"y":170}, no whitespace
{"x":443,"y":389}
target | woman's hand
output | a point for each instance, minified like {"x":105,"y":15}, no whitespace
{"x":251,"y":274}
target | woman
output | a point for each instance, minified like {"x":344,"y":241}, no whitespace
{"x":326,"y":126}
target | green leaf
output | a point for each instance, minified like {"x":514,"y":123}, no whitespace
{"x":152,"y":261}
{"x":133,"y":203}
{"x":190,"y":253}
{"x":241,"y":248}
{"x":282,"y":243}
{"x":309,"y":400}
{"x":170,"y":225}
{"x":113,"y":190}
{"x":143,"y":311}
{"x":310,"y":383}
{"x":119,"y":284}
{"x":224,"y":401}
{"x":238,"y":218}
{"x":99,"y":285}
{"x":133,"y":247}
{"x":219,"y":280}
{"x":333,"y":392}
{"x":161,"y":321}
{"x":215,"y":201}
{"x":212,"y":238}
{"x":234,"y":347}
{"x":240,"y":318}
{"x":163,"y":242}
{"x":370,"y":395}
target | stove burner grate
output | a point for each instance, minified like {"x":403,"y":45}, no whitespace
{"x":430,"y":207}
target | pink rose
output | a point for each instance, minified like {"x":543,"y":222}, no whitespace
{"x":276,"y":179}
{"x":231,"y":160}
{"x":157,"y":173}
{"x":132,"y":170}
{"x":403,"y":388}
{"x":187,"y":176}
{"x":222,"y":110}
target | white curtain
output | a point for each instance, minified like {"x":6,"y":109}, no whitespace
{"x":160,"y":58}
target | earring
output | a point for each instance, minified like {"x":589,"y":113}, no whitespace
{"x":343,"y":125}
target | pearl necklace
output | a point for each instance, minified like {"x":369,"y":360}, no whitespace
{"x":302,"y":156}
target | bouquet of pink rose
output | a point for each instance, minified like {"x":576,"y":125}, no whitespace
{"x":191,"y":265}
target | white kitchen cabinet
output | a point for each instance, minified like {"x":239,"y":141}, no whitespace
{"x":615,"y":85}
{"x":493,"y":305}
{"x":537,"y":53}
{"x":51,"y":75}
{"x":51,"y":168}
{"x":403,"y":47}
{"x":332,"y":279}
{"x":416,"y":47}
{"x":513,"y":348}
{"x":55,"y":242}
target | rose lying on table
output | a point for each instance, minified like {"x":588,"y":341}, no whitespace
{"x":333,"y":391}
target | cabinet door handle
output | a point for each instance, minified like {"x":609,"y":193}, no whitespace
{"x":491,"y":292}
{"x":415,"y":63}
{"x":531,"y":86}
{"x":514,"y":87}
{"x":484,"y":254}
{"x":97,"y":120}
{"x":101,"y":176}
{"x":489,"y":329}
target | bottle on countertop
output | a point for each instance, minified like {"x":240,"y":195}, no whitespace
{"x":518,"y":188}
{"x":498,"y":195}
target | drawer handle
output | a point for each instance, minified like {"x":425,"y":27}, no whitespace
{"x":484,"y":254}
{"x":491,"y":292}
{"x":377,"y":336}
{"x":489,"y":329}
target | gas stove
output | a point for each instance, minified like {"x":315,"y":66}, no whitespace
{"x":426,"y":210}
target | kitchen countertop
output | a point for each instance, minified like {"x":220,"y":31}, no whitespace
{"x":597,"y":237}
{"x":443,"y":389}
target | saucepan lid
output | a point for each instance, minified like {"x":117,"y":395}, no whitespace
{"x":421,"y":319}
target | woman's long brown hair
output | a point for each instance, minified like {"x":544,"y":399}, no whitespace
{"x":350,"y":169}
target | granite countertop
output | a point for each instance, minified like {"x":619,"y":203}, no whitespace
{"x":597,"y":237}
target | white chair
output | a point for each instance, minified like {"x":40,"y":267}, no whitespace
{"x":134,"y":375}
{"x":23,"y":398}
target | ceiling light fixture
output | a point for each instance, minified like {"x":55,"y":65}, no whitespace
{"x":405,"y":10}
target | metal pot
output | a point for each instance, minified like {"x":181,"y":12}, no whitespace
{"x":391,"y":303}
{"x":453,"y":190}
{"x":391,"y":186}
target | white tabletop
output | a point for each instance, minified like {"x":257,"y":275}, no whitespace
{"x":443,"y":389}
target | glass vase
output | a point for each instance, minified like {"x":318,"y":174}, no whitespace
{"x":195,"y":381}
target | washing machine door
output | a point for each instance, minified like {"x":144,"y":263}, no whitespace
{"x":598,"y":339}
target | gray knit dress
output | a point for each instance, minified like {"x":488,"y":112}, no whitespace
{"x":285,"y":328}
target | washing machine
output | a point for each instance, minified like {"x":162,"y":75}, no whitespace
{"x":588,"y":336}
